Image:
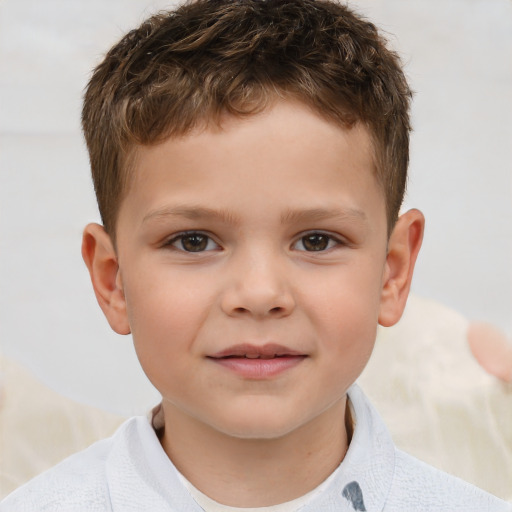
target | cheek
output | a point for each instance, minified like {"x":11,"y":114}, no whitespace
{"x":349,"y":297}
{"x":166,"y":311}
{"x":344,"y":313}
{"x":165,"y":325}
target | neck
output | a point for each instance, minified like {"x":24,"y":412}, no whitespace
{"x":255,"y":472}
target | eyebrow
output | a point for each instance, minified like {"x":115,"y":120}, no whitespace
{"x":318,"y":214}
{"x":290,"y":216}
{"x":192,"y":212}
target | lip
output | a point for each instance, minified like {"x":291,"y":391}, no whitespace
{"x":258,"y":361}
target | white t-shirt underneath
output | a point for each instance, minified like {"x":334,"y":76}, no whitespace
{"x":209,"y":505}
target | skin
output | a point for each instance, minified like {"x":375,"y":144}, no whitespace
{"x":262,"y":192}
{"x":491,"y":349}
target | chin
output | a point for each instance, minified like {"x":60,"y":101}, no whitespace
{"x":257,"y":432}
{"x":259,"y":425}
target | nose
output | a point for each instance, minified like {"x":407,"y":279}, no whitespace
{"x":258,"y":287}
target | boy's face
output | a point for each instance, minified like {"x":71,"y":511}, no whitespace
{"x":253,"y":269}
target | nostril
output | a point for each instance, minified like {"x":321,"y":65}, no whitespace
{"x":252,"y":301}
{"x":276,"y":311}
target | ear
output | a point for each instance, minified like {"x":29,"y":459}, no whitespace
{"x":403,"y":247}
{"x":100,"y":257}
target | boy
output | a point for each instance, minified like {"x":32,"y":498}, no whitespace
{"x":249,"y":160}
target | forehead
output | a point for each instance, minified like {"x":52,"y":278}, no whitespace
{"x":283,"y":151}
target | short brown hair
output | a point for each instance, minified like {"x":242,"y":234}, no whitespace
{"x":210,"y":57}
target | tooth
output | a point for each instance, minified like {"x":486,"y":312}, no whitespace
{"x":251,"y":356}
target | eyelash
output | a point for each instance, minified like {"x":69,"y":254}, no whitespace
{"x":207,"y":240}
{"x":332,"y":241}
{"x":189,"y":235}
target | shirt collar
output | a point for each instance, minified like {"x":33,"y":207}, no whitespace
{"x":140,"y":476}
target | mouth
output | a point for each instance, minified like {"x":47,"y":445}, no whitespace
{"x":258,"y":356}
{"x":246,"y":350}
{"x":258,"y":362}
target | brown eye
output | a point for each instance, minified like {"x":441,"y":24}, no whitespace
{"x":316,"y":242}
{"x":193,"y":242}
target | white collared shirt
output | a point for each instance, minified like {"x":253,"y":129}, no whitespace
{"x":131,"y":472}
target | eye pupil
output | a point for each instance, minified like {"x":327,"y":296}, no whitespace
{"x":194,"y":243}
{"x":315,"y":242}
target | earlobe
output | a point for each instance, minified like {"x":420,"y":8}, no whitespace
{"x":100,"y":258}
{"x":403,"y":248}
